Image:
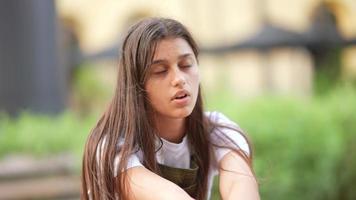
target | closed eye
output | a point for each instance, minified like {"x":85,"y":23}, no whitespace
{"x":185,"y":66}
{"x":160,"y":71}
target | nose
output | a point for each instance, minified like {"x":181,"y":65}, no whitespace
{"x":178,"y":78}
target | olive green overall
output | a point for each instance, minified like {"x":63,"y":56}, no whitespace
{"x":184,"y":178}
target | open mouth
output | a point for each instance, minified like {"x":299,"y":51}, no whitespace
{"x":181,"y":96}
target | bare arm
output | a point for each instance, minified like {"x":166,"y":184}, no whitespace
{"x":237,"y":180}
{"x":146,"y":185}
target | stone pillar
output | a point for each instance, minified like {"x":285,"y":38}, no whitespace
{"x":31,"y":77}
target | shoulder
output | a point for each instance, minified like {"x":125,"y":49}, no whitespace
{"x":134,"y":160}
{"x":226,"y":135}
{"x":220,"y":118}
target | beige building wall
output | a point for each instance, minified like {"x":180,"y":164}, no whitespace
{"x":291,"y":71}
{"x":283,"y":71}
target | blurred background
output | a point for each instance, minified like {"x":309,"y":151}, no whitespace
{"x":285,"y":71}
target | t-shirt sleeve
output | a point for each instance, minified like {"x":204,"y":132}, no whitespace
{"x":226,"y":137}
{"x":133,"y":160}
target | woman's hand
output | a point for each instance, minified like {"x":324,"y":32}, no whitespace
{"x":146,"y":185}
{"x":236,"y":179}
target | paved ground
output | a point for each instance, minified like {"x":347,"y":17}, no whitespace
{"x":26,"y":177}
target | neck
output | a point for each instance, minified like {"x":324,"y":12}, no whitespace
{"x":170,"y":129}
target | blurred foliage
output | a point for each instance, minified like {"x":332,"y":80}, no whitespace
{"x":43,"y":135}
{"x":303,"y":148}
{"x":89,"y":92}
{"x":327,"y":75}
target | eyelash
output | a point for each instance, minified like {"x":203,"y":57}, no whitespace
{"x":186,"y":66}
{"x":160,"y":72}
{"x":164,"y":71}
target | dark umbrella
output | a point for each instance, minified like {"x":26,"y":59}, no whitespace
{"x":323,"y":33}
{"x":269,"y":36}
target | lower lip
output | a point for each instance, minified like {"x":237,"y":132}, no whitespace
{"x":182,"y":102}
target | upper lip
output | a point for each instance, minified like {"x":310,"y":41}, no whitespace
{"x":180,"y":93}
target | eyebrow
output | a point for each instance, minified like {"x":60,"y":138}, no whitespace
{"x":163,"y":61}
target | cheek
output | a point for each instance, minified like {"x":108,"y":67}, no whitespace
{"x":148,"y":90}
{"x":153,"y":93}
{"x":195,"y":78}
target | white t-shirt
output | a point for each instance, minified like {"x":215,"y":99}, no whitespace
{"x":178,"y":155}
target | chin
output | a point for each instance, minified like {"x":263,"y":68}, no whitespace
{"x":183,"y":113}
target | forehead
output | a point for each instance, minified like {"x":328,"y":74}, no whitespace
{"x":172,"y":48}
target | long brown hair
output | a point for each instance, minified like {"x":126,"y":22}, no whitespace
{"x":127,"y":119}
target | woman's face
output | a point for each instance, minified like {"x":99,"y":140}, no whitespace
{"x":173,"y":80}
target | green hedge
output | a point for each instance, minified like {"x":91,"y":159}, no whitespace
{"x":304,"y":148}
{"x":42,"y":135}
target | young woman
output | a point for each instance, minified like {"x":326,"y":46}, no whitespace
{"x":155,"y":141}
